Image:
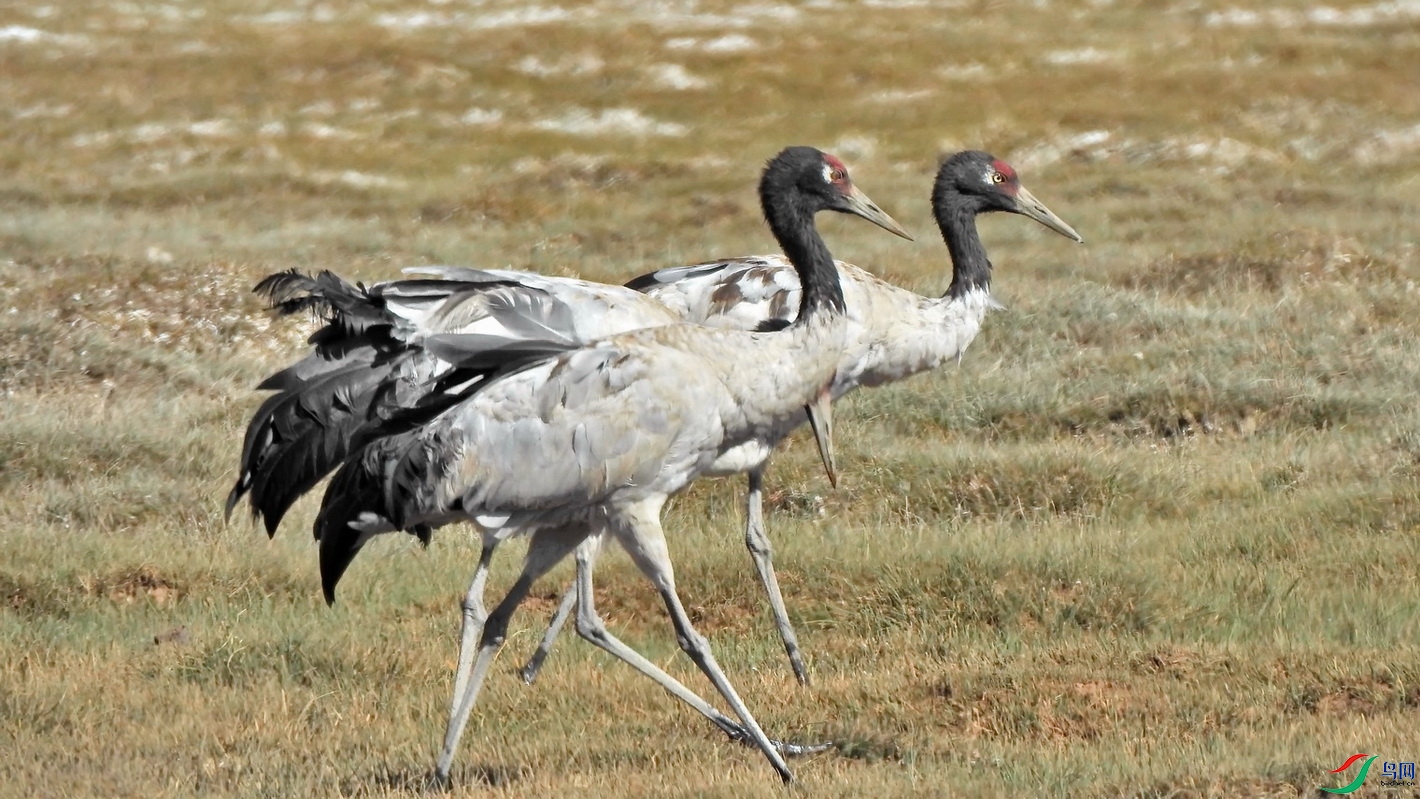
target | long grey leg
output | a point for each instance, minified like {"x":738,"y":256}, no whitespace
{"x":545,"y":550}
{"x":759,"y":549}
{"x":756,"y":540}
{"x":591,"y":627}
{"x":474,"y":614}
{"x":554,"y":627}
{"x":638,"y":528}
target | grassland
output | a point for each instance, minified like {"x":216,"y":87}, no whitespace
{"x":1157,"y":536}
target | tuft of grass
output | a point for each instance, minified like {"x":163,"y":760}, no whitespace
{"x":869,"y":748}
{"x":1288,"y":260}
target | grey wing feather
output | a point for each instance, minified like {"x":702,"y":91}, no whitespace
{"x":753,"y":293}
{"x":532,"y":314}
{"x":676,"y":274}
{"x":459,"y":274}
{"x":537,"y":307}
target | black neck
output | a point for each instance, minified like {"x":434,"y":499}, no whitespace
{"x":971,"y":269}
{"x":793,"y":226}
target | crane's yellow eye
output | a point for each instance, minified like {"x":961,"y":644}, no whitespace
{"x":836,"y":176}
{"x":997,"y":177}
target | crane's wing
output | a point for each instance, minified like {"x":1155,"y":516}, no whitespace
{"x":753,"y":293}
{"x":546,"y":440}
{"x":369,"y":365}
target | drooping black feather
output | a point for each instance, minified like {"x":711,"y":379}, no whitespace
{"x":309,"y":434}
{"x":356,"y":491}
{"x":292,"y":292}
{"x":292,"y":383}
{"x":772,"y":324}
{"x":383,"y":486}
{"x":297,"y":436}
{"x":333,"y":351}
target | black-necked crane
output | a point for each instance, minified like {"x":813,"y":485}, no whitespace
{"x":599,"y":437}
{"x":893,"y":332}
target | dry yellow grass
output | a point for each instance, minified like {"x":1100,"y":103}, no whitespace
{"x":1157,"y":536}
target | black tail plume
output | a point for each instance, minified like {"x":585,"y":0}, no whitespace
{"x":299,"y":435}
{"x":355,"y":494}
{"x":387,"y":486}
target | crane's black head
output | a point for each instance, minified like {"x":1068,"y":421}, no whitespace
{"x":975,"y":183}
{"x":804,"y":181}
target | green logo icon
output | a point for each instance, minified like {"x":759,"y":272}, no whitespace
{"x":1360,"y":778}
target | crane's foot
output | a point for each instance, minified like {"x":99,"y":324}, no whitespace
{"x":529,"y":672}
{"x":741,"y":736}
{"x":438,"y":783}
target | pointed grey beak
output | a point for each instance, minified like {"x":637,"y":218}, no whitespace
{"x":1028,"y":205}
{"x":820,"y":413}
{"x":860,"y":205}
